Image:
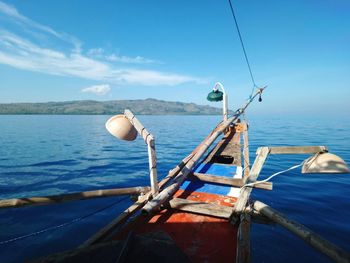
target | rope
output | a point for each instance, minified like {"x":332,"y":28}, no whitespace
{"x":52,"y":228}
{"x":242,"y":44}
{"x":272,"y":176}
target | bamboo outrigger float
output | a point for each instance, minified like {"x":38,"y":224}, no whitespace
{"x":201,"y":211}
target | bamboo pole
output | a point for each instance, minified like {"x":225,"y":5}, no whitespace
{"x":151,"y":148}
{"x":310,"y":237}
{"x":172,"y":188}
{"x":123,"y":217}
{"x":44,"y":200}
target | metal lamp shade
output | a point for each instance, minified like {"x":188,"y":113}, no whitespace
{"x":215,"y":96}
{"x":325,"y":163}
{"x":120,"y":127}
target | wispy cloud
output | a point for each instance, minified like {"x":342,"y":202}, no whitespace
{"x":102,"y":89}
{"x":29,"y":45}
{"x":101,"y":54}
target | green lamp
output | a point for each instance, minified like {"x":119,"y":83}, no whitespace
{"x":216,"y":95}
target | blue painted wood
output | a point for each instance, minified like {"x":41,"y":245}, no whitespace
{"x":212,"y":169}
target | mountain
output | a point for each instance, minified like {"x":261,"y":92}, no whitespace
{"x":145,"y":107}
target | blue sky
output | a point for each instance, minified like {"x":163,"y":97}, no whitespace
{"x":176,"y":50}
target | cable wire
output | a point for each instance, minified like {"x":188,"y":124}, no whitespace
{"x":242,"y":44}
{"x":52,"y":228}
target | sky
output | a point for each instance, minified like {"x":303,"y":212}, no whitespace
{"x":176,"y":51}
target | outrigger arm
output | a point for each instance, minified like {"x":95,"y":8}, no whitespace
{"x":242,"y":211}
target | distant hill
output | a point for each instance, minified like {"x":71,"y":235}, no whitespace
{"x":144,"y":107}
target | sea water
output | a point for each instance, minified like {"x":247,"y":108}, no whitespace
{"x":48,"y":155}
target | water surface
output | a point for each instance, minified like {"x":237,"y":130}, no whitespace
{"x":46,"y":155}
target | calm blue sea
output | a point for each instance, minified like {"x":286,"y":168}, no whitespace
{"x":47,"y":155}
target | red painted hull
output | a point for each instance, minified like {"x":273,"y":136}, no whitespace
{"x":202,"y":238}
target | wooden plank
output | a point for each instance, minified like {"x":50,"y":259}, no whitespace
{"x":44,"y":200}
{"x":297,"y":149}
{"x":241,"y":203}
{"x":246,"y":163}
{"x":243,"y":239}
{"x":227,"y":146}
{"x":313,"y":239}
{"x":228,"y":181}
{"x":200,"y":208}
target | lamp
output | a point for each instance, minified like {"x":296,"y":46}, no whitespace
{"x":325,"y":162}
{"x":125,"y":127}
{"x":216,"y":95}
{"x":119,"y":126}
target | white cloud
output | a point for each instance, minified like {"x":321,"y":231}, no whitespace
{"x":33,"y":47}
{"x":101,"y":54}
{"x":30,"y":26}
{"x":102,"y":89}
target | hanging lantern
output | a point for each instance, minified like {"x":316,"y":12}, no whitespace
{"x":215,"y":95}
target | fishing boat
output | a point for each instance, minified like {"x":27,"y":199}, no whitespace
{"x":202,"y":210}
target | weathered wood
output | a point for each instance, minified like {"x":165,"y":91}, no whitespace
{"x":44,"y":200}
{"x":186,"y":170}
{"x":243,"y":239}
{"x":182,"y":166}
{"x":228,"y":146}
{"x":173,"y":172}
{"x":181,"y":177}
{"x":297,"y":149}
{"x":313,"y":239}
{"x":246,"y":164}
{"x":228,"y":181}
{"x":241,"y":203}
{"x":201,"y":208}
{"x":122,"y":218}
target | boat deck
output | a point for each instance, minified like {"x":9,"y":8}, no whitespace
{"x":197,"y":216}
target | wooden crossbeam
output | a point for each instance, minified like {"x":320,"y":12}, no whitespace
{"x":228,"y":181}
{"x":241,"y":203}
{"x":297,"y":149}
{"x":201,"y":208}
